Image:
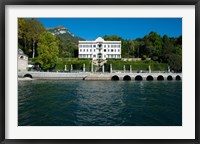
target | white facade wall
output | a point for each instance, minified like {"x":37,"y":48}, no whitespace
{"x":100,"y":49}
{"x":22,"y":62}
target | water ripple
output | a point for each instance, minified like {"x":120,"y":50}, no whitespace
{"x":99,"y":103}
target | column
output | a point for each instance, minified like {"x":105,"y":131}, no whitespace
{"x":83,"y":67}
{"x":149,"y":69}
{"x":103,"y":68}
{"x":110,"y":68}
{"x":65,"y":67}
{"x":71,"y":68}
{"x":130,"y":69}
{"x":92,"y":67}
{"x":168,"y":69}
{"x":124,"y":69}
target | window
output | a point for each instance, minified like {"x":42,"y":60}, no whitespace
{"x":84,"y":50}
{"x":108,"y":46}
{"x":94,"y":56}
{"x":118,"y":50}
{"x":94,"y":46}
{"x":90,"y":50}
{"x":104,"y":46}
{"x":80,"y":50}
{"x":111,"y":50}
{"x":104,"y":50}
{"x":87,"y":50}
{"x":94,"y":50}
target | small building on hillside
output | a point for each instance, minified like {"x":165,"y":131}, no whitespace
{"x":99,"y":49}
{"x":22,"y":61}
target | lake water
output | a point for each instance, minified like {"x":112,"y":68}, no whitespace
{"x":99,"y":103}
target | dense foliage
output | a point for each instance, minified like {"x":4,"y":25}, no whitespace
{"x":47,"y":51}
{"x":74,"y":63}
{"x":161,"y":49}
{"x":136,"y":65}
{"x":29,"y":31}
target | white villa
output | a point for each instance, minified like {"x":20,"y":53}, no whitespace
{"x":99,"y":49}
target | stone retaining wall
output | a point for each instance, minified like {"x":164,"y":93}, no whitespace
{"x":95,"y":76}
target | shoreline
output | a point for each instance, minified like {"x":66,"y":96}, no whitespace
{"x":24,"y":79}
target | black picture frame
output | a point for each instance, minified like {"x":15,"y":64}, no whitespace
{"x":3,"y":4}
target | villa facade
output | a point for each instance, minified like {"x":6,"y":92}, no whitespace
{"x":100,"y":49}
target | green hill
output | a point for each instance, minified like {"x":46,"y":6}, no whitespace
{"x":64,"y":33}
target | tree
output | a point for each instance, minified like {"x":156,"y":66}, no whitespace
{"x":47,"y":50}
{"x":22,"y":34}
{"x":67,"y":48}
{"x":153,"y":45}
{"x":172,"y":53}
{"x":35,"y":28}
{"x":29,"y":31}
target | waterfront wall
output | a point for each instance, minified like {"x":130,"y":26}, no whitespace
{"x":101,"y":76}
{"x":51,"y":75}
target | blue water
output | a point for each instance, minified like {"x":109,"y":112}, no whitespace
{"x":99,"y":103}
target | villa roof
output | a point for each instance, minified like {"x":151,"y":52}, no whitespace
{"x":99,"y":39}
{"x":20,"y":52}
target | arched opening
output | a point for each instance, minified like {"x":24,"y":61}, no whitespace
{"x":138,"y":78}
{"x":99,"y":55}
{"x":21,"y":57}
{"x":127,"y":77}
{"x":28,"y":75}
{"x":160,"y":77}
{"x":178,"y":77}
{"x":169,"y":77}
{"x":115,"y":77}
{"x":149,"y":78}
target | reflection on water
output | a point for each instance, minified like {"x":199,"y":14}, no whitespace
{"x":99,"y":103}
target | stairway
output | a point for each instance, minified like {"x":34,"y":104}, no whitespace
{"x":99,"y":63}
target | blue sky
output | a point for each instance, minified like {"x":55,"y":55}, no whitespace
{"x":127,"y":28}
